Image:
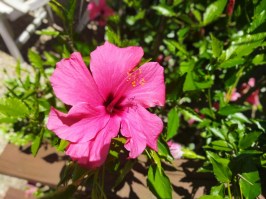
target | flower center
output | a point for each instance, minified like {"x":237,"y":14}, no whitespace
{"x":112,"y":105}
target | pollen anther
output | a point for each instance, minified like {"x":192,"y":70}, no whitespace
{"x":142,"y":81}
{"x":133,"y":83}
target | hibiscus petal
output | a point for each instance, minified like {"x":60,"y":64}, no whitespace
{"x":141,"y":128}
{"x":254,"y":99}
{"x":94,"y":152}
{"x":175,"y":149}
{"x":110,"y":65}
{"x":251,"y":82}
{"x":108,"y":12}
{"x":81,"y":124}
{"x":73,"y":83}
{"x":145,"y":86}
{"x":235,"y":95}
{"x":94,"y":10}
{"x":102,"y":3}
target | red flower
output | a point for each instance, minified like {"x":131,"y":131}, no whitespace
{"x":99,"y":12}
{"x":230,"y":7}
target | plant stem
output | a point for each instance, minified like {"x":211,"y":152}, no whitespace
{"x":102,"y":183}
{"x":230,"y":91}
{"x":148,"y":154}
{"x":94,"y":192}
{"x":210,"y":103}
{"x":229,"y":190}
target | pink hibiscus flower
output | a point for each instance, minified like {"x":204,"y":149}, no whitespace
{"x":112,"y":97}
{"x":235,"y":95}
{"x":29,"y":193}
{"x":230,"y":7}
{"x":175,"y":149}
{"x":99,"y":12}
{"x":253,"y":98}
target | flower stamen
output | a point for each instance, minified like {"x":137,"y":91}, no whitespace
{"x":135,"y":78}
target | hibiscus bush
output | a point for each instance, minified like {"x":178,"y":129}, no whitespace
{"x":167,"y":79}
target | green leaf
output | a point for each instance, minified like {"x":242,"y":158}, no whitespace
{"x":78,"y":172}
{"x":58,"y":9}
{"x":63,"y":144}
{"x":186,"y":67}
{"x":43,"y":105}
{"x":35,"y":146}
{"x":259,"y":16}
{"x":71,"y":11}
{"x":65,"y":53}
{"x":259,"y":59}
{"x":250,"y":184}
{"x":163,"y":150}
{"x":66,"y":174}
{"x":112,"y":37}
{"x":35,"y":59}
{"x":259,"y":125}
{"x":231,"y":109}
{"x":211,"y":197}
{"x":220,"y":167}
{"x":244,"y":45}
{"x":232,"y":62}
{"x":7,"y":120}
{"x":240,"y":117}
{"x":173,"y":123}
{"x":182,"y":33}
{"x":48,"y":31}
{"x":190,"y":84}
{"x":217,"y":46}
{"x":172,"y":45}
{"x":219,"y":145}
{"x":247,"y":140}
{"x":257,"y":21}
{"x":218,"y":190}
{"x":159,"y":183}
{"x":207,"y":112}
{"x":213,"y":11}
{"x":260,"y":7}
{"x":197,"y":15}
{"x":13,"y":107}
{"x":217,"y":132}
{"x":131,"y":20}
{"x":191,"y":114}
{"x":157,"y":160}
{"x":164,"y":10}
{"x":124,"y":171}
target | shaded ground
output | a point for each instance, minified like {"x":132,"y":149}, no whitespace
{"x":7,"y":181}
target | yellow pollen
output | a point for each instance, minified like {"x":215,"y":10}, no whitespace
{"x":133,"y":83}
{"x":134,"y":77}
{"x":142,"y":81}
